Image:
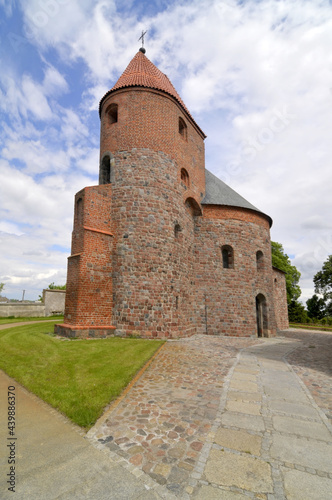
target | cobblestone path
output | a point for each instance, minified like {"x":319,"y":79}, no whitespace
{"x":162,"y":424}
{"x":228,"y":418}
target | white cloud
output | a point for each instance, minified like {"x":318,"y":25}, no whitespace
{"x":257,"y":75}
{"x":8,"y":6}
{"x":34,"y":99}
{"x":54,"y":82}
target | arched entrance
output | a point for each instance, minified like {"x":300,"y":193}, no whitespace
{"x":261,"y":316}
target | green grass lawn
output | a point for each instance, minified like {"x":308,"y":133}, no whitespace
{"x":306,"y":326}
{"x":11,"y":319}
{"x":77,"y":377}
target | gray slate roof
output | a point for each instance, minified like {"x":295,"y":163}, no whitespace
{"x":218,"y":193}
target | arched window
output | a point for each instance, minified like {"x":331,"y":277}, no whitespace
{"x":112,"y":113}
{"x":182,"y":128}
{"x":227,"y":257}
{"x":193,"y":207}
{"x":184,"y":177}
{"x":105,"y":170}
{"x":259,"y":260}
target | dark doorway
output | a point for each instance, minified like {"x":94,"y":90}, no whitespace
{"x":261,"y":316}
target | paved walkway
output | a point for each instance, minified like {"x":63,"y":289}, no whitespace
{"x":211,"y":418}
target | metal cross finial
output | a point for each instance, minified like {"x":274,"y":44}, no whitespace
{"x":142,"y":37}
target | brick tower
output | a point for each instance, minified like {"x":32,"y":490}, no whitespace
{"x":161,"y":247}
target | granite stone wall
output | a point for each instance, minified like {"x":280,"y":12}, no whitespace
{"x":146,"y":254}
{"x":227,"y":296}
{"x":280,"y":299}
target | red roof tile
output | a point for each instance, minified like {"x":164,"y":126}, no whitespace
{"x":141,"y":72}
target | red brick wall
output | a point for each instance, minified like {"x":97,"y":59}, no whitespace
{"x":89,"y":296}
{"x":150,"y":119}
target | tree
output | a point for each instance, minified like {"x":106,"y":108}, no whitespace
{"x":52,"y":286}
{"x":323,"y":279}
{"x":2,"y":286}
{"x":316,"y":307}
{"x":282,"y":262}
{"x":296,"y":312}
{"x":323,"y":284}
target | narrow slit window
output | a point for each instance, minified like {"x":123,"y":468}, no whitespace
{"x":79,"y":211}
{"x":177,"y":230}
{"x":185,"y":177}
{"x":227,"y":257}
{"x":259,"y":260}
{"x":105,"y":170}
{"x":182,"y":128}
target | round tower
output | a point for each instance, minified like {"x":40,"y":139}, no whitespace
{"x":152,"y":156}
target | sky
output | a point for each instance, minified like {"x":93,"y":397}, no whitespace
{"x":256,"y":76}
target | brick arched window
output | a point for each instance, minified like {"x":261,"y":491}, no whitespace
{"x":193,"y":206}
{"x":260,"y":260}
{"x":182,"y":128}
{"x":227,"y":257}
{"x":184,"y":177}
{"x":112,"y":113}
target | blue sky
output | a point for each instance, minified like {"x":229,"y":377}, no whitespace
{"x":256,"y":75}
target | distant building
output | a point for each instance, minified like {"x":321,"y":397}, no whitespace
{"x":162,"y":247}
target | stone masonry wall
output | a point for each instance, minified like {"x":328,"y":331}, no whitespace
{"x":280,"y":299}
{"x":152,"y":262}
{"x":227,"y":297}
{"x":153,"y":259}
{"x":146,"y":256}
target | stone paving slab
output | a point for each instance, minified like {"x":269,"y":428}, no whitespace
{"x":302,"y":451}
{"x":244,"y":396}
{"x":243,"y":407}
{"x":295,"y":409}
{"x":250,"y":422}
{"x":282,"y":394}
{"x":239,"y":440}
{"x":248,"y":473}
{"x":297,"y":427}
{"x":213,"y":493}
{"x":244,"y":375}
{"x":243,"y":385}
{"x":303,"y":486}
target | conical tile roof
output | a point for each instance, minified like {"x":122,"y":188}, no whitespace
{"x":141,"y":72}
